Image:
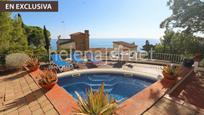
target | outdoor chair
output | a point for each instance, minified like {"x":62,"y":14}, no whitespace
{"x":76,"y":57}
{"x":91,"y":58}
{"x":59,"y":63}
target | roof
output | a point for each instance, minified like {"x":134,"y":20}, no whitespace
{"x":125,"y":44}
{"x":101,"y":49}
{"x":64,"y":41}
{"x":77,"y":33}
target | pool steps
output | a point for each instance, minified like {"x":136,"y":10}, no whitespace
{"x":105,"y":90}
{"x":95,"y":83}
{"x":101,"y":79}
{"x":95,"y":87}
{"x":111,"y":86}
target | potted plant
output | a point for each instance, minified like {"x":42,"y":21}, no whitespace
{"x":96,"y":103}
{"x":198,"y":57}
{"x":48,"y":79}
{"x":188,"y":61}
{"x":32,"y":64}
{"x":170,"y":72}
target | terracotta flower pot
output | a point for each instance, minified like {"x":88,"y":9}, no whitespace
{"x":168,"y":76}
{"x":188,"y":62}
{"x":32,"y":69}
{"x":49,"y":86}
{"x":198,"y":57}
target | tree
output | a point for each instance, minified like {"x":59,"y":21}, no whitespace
{"x":19,"y":38}
{"x":35,"y":36}
{"x":167,"y":40}
{"x":5,"y":29}
{"x":147,"y":47}
{"x":47,"y":40}
{"x":186,"y":14}
{"x":36,"y":41}
{"x":180,"y":43}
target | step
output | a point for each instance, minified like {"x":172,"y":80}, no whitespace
{"x":100,"y":82}
{"x":76,"y":83}
{"x":106,"y":90}
{"x":105,"y":87}
{"x":100,"y":78}
{"x":98,"y":85}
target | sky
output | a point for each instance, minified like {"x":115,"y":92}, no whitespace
{"x":103,"y":18}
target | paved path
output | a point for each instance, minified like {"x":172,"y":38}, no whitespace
{"x":169,"y":107}
{"x":19,"y":95}
{"x":135,"y":67}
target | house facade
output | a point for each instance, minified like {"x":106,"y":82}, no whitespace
{"x":77,"y":41}
{"x":124,"y":46}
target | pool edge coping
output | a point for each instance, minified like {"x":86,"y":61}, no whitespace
{"x":111,"y":70}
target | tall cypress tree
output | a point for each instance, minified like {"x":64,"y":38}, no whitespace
{"x":47,"y":40}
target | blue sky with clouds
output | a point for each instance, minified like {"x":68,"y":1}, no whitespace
{"x":104,"y":18}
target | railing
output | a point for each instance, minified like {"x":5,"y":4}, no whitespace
{"x":174,"y":58}
{"x":143,"y":56}
{"x":137,"y":57}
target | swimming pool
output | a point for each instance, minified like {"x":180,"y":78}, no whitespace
{"x":119,"y":86}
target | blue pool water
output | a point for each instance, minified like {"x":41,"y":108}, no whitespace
{"x":119,"y":86}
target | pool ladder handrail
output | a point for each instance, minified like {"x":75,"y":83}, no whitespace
{"x":76,"y":75}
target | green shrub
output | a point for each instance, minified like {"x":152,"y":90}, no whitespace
{"x":97,"y":103}
{"x":16,"y":60}
{"x":42,"y":58}
{"x":41,"y":54}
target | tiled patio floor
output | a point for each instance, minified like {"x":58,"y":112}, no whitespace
{"x":168,"y":107}
{"x":192,"y":91}
{"x":19,"y":95}
{"x":187,"y":99}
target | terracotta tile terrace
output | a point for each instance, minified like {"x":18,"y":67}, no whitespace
{"x":21,"y":95}
{"x":187,"y":99}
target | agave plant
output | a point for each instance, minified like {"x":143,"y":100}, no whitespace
{"x":171,"y":70}
{"x":48,"y":77}
{"x":97,"y":103}
{"x":32,"y":64}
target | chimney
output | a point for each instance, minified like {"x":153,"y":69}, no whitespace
{"x":86,"y":32}
{"x":133,"y":43}
{"x":86,"y":39}
{"x":59,"y":37}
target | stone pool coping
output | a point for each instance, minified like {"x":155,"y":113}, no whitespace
{"x":110,"y":70}
{"x":137,"y":104}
